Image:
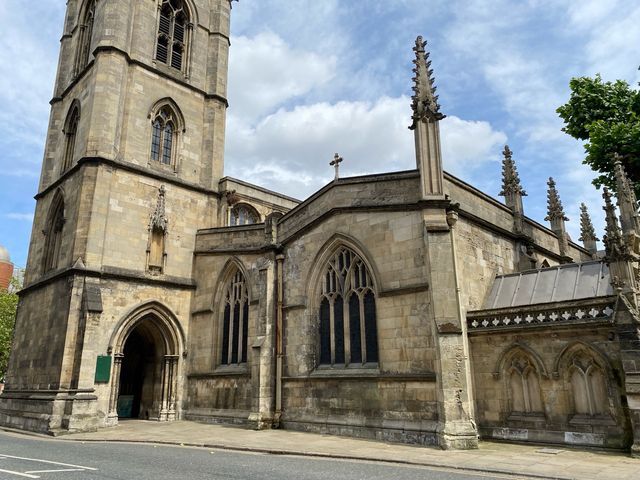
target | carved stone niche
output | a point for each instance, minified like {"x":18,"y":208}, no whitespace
{"x":589,"y":391}
{"x":524,"y":390}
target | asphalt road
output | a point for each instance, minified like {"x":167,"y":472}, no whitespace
{"x":32,"y":457}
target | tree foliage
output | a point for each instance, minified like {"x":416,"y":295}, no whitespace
{"x":607,"y":116}
{"x":8,"y":307}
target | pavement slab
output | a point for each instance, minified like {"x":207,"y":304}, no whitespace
{"x":493,"y":457}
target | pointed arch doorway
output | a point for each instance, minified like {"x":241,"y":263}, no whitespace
{"x":144,"y":381}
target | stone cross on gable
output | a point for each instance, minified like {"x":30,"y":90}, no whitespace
{"x":337,"y":160}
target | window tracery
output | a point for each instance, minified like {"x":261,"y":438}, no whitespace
{"x":348,"y":330}
{"x":86,"y":37}
{"x":524,"y":386}
{"x":70,"y":132}
{"x":235,"y":322}
{"x":53,"y":234}
{"x":172,"y":34}
{"x":243,"y":214}
{"x":588,"y":385}
{"x":163,"y":136}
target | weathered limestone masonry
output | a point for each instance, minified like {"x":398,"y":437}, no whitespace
{"x":405,"y":306}
{"x":92,"y":276}
{"x":556,"y":351}
{"x":623,"y":256}
{"x":432,"y":247}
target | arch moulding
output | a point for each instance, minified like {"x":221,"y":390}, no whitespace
{"x":325,"y":253}
{"x":513,"y":350}
{"x":161,"y":316}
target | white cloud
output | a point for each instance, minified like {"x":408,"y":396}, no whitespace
{"x":28,"y":67}
{"x":612,"y":48}
{"x":468,"y":145}
{"x":589,"y":13}
{"x":290,"y":150}
{"x":265,"y":72}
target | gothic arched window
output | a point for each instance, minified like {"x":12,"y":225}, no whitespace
{"x":588,"y":386}
{"x":53,"y":232}
{"x":172,"y":33}
{"x":70,"y":131}
{"x":524,"y":386}
{"x":348,"y":330}
{"x":163,"y":136}
{"x":235,"y":322}
{"x":86,"y":36}
{"x":243,"y":214}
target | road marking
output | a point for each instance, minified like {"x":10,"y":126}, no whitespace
{"x":48,"y":461}
{"x":55,"y":471}
{"x":26,"y":475}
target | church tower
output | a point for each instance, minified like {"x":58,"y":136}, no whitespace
{"x":132,"y":161}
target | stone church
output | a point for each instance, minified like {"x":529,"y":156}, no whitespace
{"x":405,"y":306}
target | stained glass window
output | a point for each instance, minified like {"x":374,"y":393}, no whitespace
{"x":348,"y":331}
{"x":235,"y":322}
{"x":163,"y":136}
{"x":243,"y":214}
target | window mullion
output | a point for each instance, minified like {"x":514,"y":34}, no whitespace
{"x":232,"y":305}
{"x":525,"y":393}
{"x":363,"y":326}
{"x":346,"y":331}
{"x":332,"y":330}
{"x":240,"y":330}
{"x":172,"y":23}
{"x":589,"y":391}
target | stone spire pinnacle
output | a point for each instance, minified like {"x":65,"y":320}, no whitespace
{"x":425,"y":101}
{"x":158,"y":218}
{"x":512,"y":190}
{"x":587,"y":232}
{"x":510,"y":179}
{"x":426,"y":126}
{"x":555,"y":215}
{"x":613,"y":242}
{"x":627,"y":201}
{"x":555,"y":211}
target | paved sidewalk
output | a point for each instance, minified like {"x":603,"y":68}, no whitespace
{"x":523,"y":460}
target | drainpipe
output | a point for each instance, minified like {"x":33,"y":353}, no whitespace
{"x":452,"y":219}
{"x":279,"y":342}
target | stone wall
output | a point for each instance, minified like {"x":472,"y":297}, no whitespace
{"x":558,"y":411}
{"x":238,"y":393}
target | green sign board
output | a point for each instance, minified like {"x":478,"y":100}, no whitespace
{"x":103,"y":368}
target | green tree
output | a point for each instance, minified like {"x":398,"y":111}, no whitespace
{"x":607,"y":116}
{"x":8,"y":306}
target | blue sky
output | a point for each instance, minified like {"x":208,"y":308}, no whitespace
{"x":309,"y":78}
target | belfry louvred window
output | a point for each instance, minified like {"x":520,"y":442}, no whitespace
{"x":235,"y":322}
{"x":85,"y":36}
{"x":172,"y":34}
{"x":163,"y":136}
{"x":348,"y":330}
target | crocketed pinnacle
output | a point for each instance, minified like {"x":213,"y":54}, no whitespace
{"x":613,"y":242}
{"x":425,"y":101}
{"x":554,"y":205}
{"x":587,"y":232}
{"x":510,"y":179}
{"x":158,"y":218}
{"x":627,"y":200}
{"x":623,"y":183}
